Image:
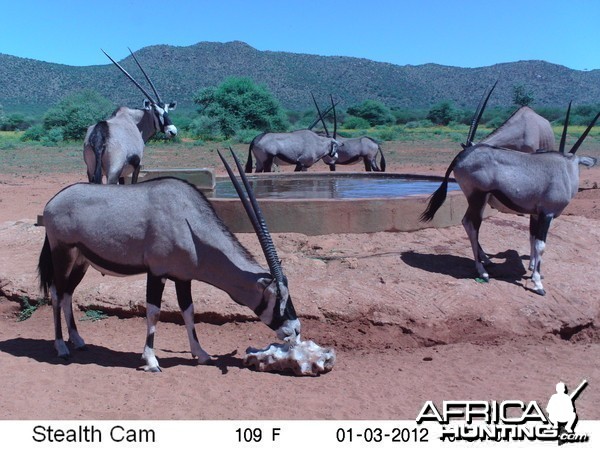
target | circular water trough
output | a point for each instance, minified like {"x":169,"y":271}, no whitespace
{"x":341,"y":202}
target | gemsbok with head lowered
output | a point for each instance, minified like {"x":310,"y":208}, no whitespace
{"x":301,"y":148}
{"x":167,"y":229}
{"x":358,"y":149}
{"x":540,"y":184}
{"x":354,"y":150}
{"x":115,"y":147}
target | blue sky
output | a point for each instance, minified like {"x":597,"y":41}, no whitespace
{"x":450,"y":32}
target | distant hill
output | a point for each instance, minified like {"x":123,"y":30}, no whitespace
{"x":179,"y":72}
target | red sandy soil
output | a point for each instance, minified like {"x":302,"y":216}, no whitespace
{"x":403,"y":311}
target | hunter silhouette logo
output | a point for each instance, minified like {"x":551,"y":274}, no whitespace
{"x":481,"y":420}
{"x":561,"y":410}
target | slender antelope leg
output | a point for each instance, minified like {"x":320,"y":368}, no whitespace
{"x":541,"y":235}
{"x":59,"y":342}
{"x":533,"y":228}
{"x":154,"y":289}
{"x":77,"y":273}
{"x":184,"y":298}
{"x":472,"y":222}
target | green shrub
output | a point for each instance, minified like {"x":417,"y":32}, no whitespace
{"x":356,"y":123}
{"x":442,"y":113}
{"x":373,"y":111}
{"x":240,"y":104}
{"x":75,"y":113}
{"x":34,"y":133}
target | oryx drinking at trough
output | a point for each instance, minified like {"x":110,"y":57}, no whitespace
{"x":540,"y":184}
{"x":115,"y":147}
{"x":354,"y":150}
{"x":301,"y":148}
{"x":167,"y":229}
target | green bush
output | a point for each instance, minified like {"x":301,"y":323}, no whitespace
{"x":373,"y":111}
{"x":356,"y":123}
{"x":240,"y":104}
{"x":53,"y":137}
{"x":14,"y":122}
{"x":74,"y":114}
{"x":34,"y":133}
{"x":442,"y":113}
{"x":205,"y":127}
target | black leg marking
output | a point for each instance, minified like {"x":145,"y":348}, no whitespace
{"x":150,"y":340}
{"x":154,"y":290}
{"x":544,"y":221}
{"x":184,"y":294}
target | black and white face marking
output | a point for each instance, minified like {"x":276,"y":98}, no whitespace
{"x":162,"y":114}
{"x":333,"y":153}
{"x":277,"y":311}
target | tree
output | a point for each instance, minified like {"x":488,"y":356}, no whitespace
{"x":14,"y":122}
{"x":521,"y":96}
{"x":75,"y":113}
{"x":442,"y":113}
{"x":373,"y":111}
{"x":239,"y":104}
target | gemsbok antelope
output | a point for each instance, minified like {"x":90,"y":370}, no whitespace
{"x":301,"y":148}
{"x":358,"y":149}
{"x":115,"y":147}
{"x":353,"y":150}
{"x":540,"y":184}
{"x":524,"y":131}
{"x":167,"y":229}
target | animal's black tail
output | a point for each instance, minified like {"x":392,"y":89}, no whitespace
{"x":382,"y":160}
{"x":438,"y":198}
{"x":97,"y":140}
{"x":248,"y":168}
{"x":46,"y":267}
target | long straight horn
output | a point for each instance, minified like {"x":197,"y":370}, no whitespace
{"x":148,"y":96}
{"x":584,"y":135}
{"x":318,"y":119}
{"x":563,"y":138}
{"x":320,"y":115}
{"x":334,"y":118}
{"x":256,"y":217}
{"x":477,"y":116}
{"x":146,"y":75}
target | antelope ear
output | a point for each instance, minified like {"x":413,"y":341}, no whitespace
{"x":587,"y":161}
{"x":146,"y":104}
{"x":172,"y":106}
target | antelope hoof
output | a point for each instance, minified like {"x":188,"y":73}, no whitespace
{"x":204,"y":359}
{"x":483,"y":278}
{"x":540,"y":291}
{"x":62,"y":350}
{"x":153,"y":369}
